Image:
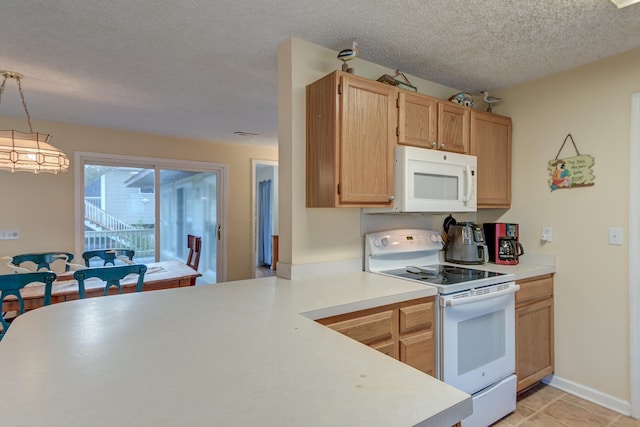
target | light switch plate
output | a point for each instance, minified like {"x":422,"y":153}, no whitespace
{"x":615,"y":235}
{"x":547,"y":234}
{"x":9,"y":234}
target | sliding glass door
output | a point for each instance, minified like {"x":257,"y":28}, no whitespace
{"x":150,"y":206}
{"x":188,"y":205}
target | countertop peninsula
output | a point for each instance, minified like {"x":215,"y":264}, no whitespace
{"x":236,"y":353}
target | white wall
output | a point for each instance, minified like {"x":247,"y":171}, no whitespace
{"x":592,"y":103}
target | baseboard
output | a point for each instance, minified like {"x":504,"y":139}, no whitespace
{"x":590,"y":394}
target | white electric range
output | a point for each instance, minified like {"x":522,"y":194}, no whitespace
{"x":475,"y":317}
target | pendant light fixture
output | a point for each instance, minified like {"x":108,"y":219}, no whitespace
{"x":30,"y":152}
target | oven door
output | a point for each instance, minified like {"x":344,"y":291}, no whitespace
{"x":477,"y":331}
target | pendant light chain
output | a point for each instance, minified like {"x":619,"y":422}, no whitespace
{"x":24,"y":103}
{"x":4,"y":81}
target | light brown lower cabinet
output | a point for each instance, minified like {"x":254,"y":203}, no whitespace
{"x":404,"y":331}
{"x":534,"y":330}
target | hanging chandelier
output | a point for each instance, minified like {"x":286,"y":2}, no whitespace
{"x":30,"y":152}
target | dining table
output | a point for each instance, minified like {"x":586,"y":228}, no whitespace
{"x":159,"y":275}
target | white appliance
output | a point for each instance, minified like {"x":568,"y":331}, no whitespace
{"x":475,"y":318}
{"x":435,"y":181}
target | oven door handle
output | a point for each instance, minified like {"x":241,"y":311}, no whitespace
{"x":450,"y":302}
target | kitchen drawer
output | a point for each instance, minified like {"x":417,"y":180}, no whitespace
{"x":534,"y":288}
{"x":367,"y":329}
{"x":416,"y":316}
{"x":404,"y":331}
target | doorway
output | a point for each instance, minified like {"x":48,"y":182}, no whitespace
{"x":264,"y":212}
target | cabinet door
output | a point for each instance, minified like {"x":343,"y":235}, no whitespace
{"x":491,"y":143}
{"x":534,"y":342}
{"x":417,"y":120}
{"x":418,"y":350}
{"x":453,"y":127}
{"x":368,"y":116}
{"x":416,"y":332}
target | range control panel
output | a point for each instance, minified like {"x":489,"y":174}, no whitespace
{"x":405,"y":240}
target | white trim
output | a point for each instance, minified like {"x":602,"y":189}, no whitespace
{"x":254,"y":209}
{"x":588,"y":393}
{"x":634,"y":254}
{"x":220,"y":169}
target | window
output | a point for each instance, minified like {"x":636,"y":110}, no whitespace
{"x":150,"y":206}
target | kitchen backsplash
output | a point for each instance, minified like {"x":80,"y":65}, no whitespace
{"x":370,"y":223}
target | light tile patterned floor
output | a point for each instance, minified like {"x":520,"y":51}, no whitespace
{"x":545,"y":406}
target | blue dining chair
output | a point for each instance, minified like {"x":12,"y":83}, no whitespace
{"x":43,"y":259}
{"x":109,"y":256}
{"x":111,"y":275}
{"x":11,"y":284}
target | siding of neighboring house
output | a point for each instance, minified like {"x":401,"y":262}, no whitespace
{"x":127,"y":204}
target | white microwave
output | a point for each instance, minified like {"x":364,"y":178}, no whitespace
{"x":436,"y":181}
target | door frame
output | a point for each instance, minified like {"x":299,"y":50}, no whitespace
{"x":634,"y":254}
{"x":254,"y":205}
{"x":220,"y":169}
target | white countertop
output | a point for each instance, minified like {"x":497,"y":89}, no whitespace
{"x":237,"y":353}
{"x":531,"y":265}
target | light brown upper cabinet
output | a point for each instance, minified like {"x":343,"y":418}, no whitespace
{"x":417,"y":120}
{"x":428,"y":122}
{"x":491,"y":143}
{"x":351,"y":135}
{"x":453,"y":127}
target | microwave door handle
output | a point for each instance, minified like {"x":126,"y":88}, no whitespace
{"x":467,"y":197}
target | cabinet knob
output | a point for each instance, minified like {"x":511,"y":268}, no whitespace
{"x":442,"y":145}
{"x":391,"y":198}
{"x":433,"y":144}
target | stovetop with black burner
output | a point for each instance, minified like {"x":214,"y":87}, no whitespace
{"x":447,"y":278}
{"x":441,"y":274}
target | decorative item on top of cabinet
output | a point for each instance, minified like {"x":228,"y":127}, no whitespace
{"x":424,"y":121}
{"x":347,"y":55}
{"x":392,"y":80}
{"x":489,"y":100}
{"x":491,"y":144}
{"x":404,"y":331}
{"x":462,"y":98}
{"x":351,"y":134}
{"x":534,"y":330}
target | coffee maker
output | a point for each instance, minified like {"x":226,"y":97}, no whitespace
{"x":502,"y":242}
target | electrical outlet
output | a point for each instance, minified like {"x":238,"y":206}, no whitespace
{"x":547,"y":234}
{"x":9,"y":234}
{"x":615,"y":235}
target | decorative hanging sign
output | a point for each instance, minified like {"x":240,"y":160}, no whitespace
{"x":570,"y":172}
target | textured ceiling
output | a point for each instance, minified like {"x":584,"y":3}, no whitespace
{"x":205,"y":69}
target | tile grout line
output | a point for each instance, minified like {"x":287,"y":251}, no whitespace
{"x":539,"y":411}
{"x":614,"y":420}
